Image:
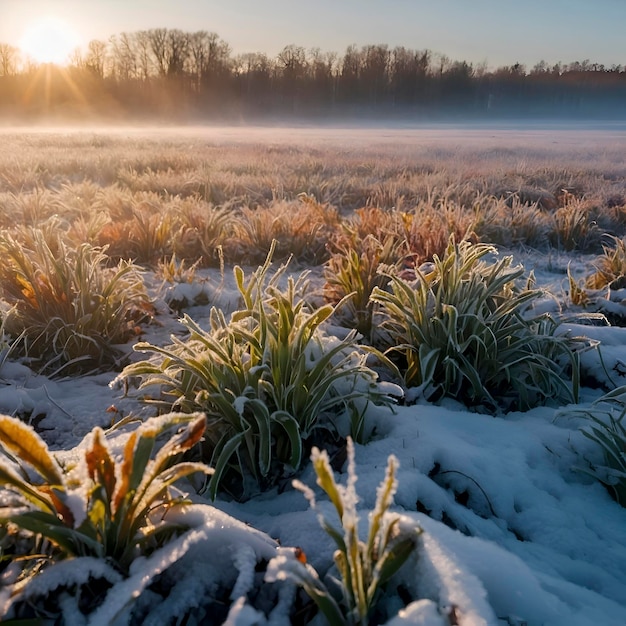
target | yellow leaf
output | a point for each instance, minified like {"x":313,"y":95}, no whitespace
{"x":22,"y":441}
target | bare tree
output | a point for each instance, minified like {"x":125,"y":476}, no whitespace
{"x":9,"y":56}
{"x":291,"y":66}
{"x":177,"y":51}
{"x":375,"y":71}
{"x":96,"y":57}
{"x":323,"y":65}
{"x":408,"y":71}
{"x":209,"y":57}
{"x":125,"y":56}
{"x":292,"y":62}
{"x":157,"y":38}
{"x":77,"y":59}
{"x":323,"y":73}
{"x":254,"y":72}
{"x":170,"y":50}
{"x":351,"y":68}
{"x":144,"y":57}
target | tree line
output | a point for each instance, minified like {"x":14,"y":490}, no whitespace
{"x":172,"y":74}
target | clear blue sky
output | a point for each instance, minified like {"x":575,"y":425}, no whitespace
{"x":498,"y":32}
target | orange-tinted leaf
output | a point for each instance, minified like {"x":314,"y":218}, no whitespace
{"x":126,"y":472}
{"x":300,"y":555}
{"x":63,"y":511}
{"x":23,"y":442}
{"x":188,"y":438}
{"x":100,"y":465}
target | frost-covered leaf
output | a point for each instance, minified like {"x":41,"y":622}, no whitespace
{"x":21,"y":440}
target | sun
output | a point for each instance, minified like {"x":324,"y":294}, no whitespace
{"x":49,"y":40}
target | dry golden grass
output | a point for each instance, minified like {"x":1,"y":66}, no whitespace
{"x":353,"y":272}
{"x":66,"y":305}
{"x":610,"y":265}
{"x":428,"y":228}
{"x":301,"y":228}
{"x":148,"y":194}
{"x":510,"y":222}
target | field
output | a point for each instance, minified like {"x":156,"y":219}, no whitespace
{"x":174,"y":300}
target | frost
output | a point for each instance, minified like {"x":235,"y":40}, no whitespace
{"x":245,"y":561}
{"x":189,"y":589}
{"x":349,"y":494}
{"x":118,"y":602}
{"x":64,"y":574}
{"x":285,"y":566}
{"x":446,"y":581}
{"x":419,"y":613}
{"x":239,"y":404}
{"x":242,"y":614}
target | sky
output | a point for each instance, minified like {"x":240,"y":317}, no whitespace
{"x":495,"y":32}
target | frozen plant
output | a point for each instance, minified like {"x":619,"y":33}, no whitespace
{"x":364,"y":567}
{"x":267,"y":379}
{"x":351,"y":274}
{"x":69,"y":306}
{"x":607,"y":428}
{"x":465,"y":330}
{"x":610,"y":265}
{"x":101,"y":506}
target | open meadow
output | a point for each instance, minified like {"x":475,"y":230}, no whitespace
{"x":194,"y":317}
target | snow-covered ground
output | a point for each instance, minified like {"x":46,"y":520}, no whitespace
{"x":514,"y":532}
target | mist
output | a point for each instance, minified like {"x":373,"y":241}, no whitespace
{"x":512,"y":134}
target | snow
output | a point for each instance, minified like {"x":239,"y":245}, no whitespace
{"x":538,"y":541}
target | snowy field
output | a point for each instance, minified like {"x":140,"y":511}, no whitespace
{"x":515,"y":532}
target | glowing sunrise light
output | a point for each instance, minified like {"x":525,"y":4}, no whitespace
{"x":49,"y":40}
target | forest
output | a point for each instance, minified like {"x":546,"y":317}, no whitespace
{"x":171,"y":75}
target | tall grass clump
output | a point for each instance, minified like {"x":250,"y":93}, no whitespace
{"x":382,"y":224}
{"x":351,"y":274}
{"x":512,"y":222}
{"x":301,"y":229}
{"x":610,"y":265}
{"x":70,"y":308}
{"x":375,"y":243}
{"x":103,"y":507}
{"x":574,"y":226}
{"x":31,"y":207}
{"x":428,"y":228}
{"x":146,"y":236}
{"x":202,"y":232}
{"x":268,"y":379}
{"x":465,"y":330}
